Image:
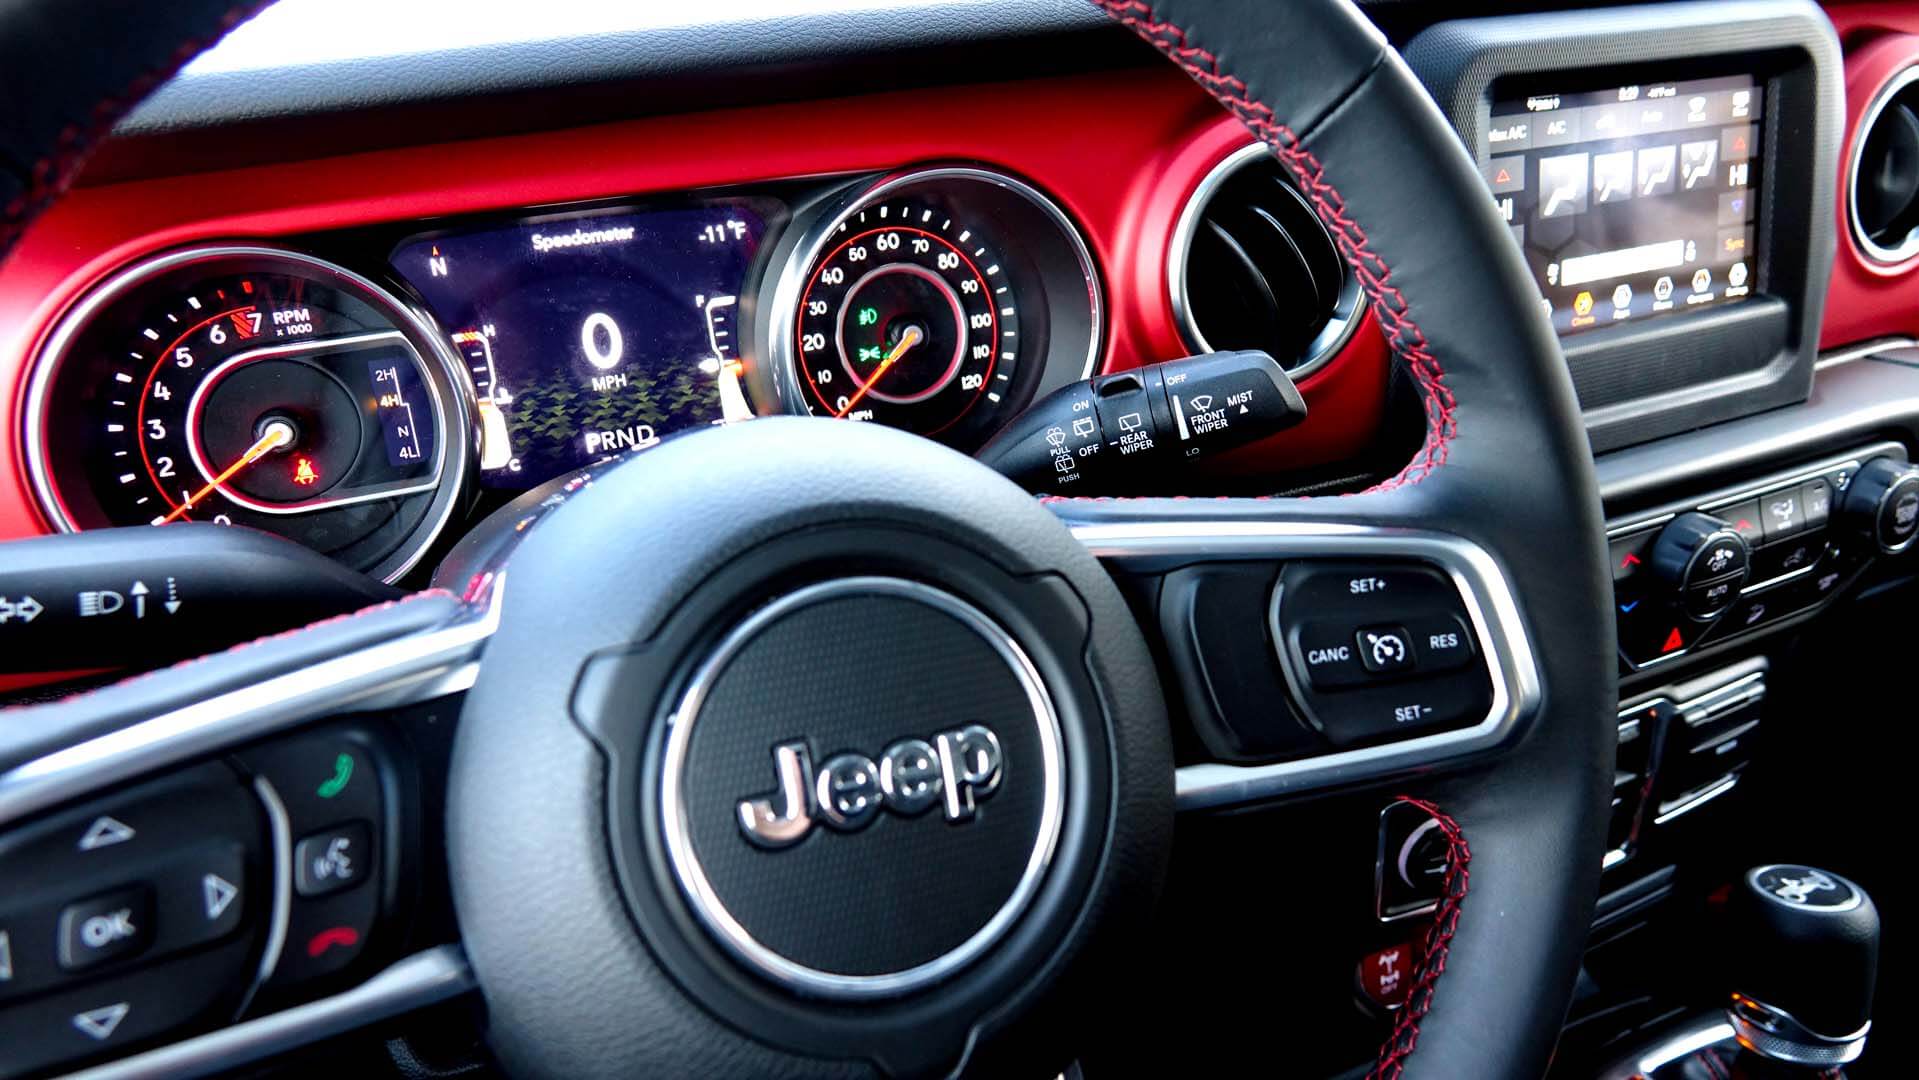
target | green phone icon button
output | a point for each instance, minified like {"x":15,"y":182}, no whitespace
{"x":342,"y":772}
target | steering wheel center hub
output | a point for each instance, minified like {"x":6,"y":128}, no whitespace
{"x":848,"y":774}
{"x":876,"y":749}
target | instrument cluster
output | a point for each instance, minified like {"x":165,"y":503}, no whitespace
{"x":357,"y":393}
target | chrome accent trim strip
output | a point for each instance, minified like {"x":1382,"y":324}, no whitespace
{"x":1746,"y":690}
{"x":1848,"y":353}
{"x":1690,"y":1038}
{"x":1893,"y":258}
{"x":425,"y":978}
{"x":457,"y":418}
{"x":282,"y":830}
{"x":1774,"y":1033}
{"x":1399,"y":863}
{"x":1696,"y":799}
{"x":417,"y":667}
{"x":1614,"y":858}
{"x":1330,"y":339}
{"x":790,"y":283}
{"x":1490,"y":607}
{"x":706,"y":903}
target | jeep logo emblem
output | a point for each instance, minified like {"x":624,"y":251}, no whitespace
{"x":957,"y":767}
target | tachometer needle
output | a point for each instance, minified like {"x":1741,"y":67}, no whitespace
{"x":913,"y":336}
{"x":276,"y":434}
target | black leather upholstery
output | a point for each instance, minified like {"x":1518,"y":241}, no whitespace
{"x":1506,"y":463}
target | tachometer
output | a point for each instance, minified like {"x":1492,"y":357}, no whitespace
{"x":940,"y":301}
{"x":252,"y":387}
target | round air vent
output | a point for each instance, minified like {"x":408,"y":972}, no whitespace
{"x":1884,"y":192}
{"x":1253,"y":268}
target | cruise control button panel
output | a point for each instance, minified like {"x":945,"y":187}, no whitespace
{"x":1378,"y":650}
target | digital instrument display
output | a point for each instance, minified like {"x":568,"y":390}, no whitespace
{"x":1633,"y":202}
{"x":588,"y":335}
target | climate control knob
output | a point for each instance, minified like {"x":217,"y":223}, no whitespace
{"x":1704,"y":560}
{"x":1882,"y":504}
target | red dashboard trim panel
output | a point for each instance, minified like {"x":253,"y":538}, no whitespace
{"x":1866,"y":300}
{"x":1120,"y":151}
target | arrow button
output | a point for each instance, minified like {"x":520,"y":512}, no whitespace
{"x":99,"y":1024}
{"x":105,"y":832}
{"x":217,"y":894}
{"x":1629,"y":556}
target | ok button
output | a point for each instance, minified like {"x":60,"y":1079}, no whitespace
{"x":99,"y":929}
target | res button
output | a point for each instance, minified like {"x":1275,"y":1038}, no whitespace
{"x":1440,"y":641}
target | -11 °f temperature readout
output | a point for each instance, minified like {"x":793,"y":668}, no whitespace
{"x":592,"y":334}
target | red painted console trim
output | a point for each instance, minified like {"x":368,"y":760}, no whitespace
{"x":1121,"y":151}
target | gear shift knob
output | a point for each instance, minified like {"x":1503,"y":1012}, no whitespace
{"x":1804,"y":954}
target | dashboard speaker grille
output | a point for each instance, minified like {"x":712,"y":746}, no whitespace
{"x":1255,"y":269}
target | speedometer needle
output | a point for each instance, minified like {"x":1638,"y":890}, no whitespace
{"x":913,"y":336}
{"x":276,"y":434}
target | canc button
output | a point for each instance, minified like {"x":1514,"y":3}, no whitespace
{"x":1327,"y":653}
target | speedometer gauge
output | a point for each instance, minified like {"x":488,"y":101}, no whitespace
{"x":940,"y":301}
{"x":903,"y":325}
{"x":250,"y":387}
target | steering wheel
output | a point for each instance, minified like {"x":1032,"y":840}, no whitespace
{"x":775,"y":761}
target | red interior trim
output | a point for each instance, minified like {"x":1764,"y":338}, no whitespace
{"x":1121,"y":151}
{"x":1866,"y":300}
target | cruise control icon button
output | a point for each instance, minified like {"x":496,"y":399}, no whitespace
{"x":1384,"y":649}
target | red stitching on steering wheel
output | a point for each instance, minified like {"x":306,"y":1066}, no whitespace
{"x":1403,"y":335}
{"x":1439,"y":940}
{"x":53,"y":174}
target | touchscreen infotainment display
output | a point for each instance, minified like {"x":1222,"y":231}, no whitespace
{"x":1632,"y":202}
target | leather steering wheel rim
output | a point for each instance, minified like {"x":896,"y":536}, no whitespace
{"x":1505,"y":462}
